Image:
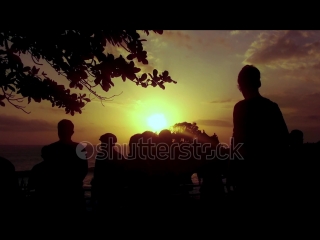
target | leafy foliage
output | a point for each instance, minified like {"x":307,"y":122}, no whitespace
{"x":76,"y":55}
{"x":185,"y":131}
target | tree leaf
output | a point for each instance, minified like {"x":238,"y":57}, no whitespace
{"x":131,"y":56}
{"x":155,"y":72}
{"x":35,"y":70}
{"x":37,"y":99}
{"x":80,"y":86}
{"x":136,"y":70}
{"x":11,"y":88}
{"x":72,"y":84}
{"x":11,"y":75}
{"x":143,"y":77}
{"x":26,"y":69}
{"x":165,"y":74}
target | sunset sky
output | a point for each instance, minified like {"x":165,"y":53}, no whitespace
{"x":206,"y":65}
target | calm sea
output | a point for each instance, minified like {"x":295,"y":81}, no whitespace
{"x":24,"y":157}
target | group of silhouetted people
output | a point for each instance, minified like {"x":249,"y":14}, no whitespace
{"x":268,"y":165}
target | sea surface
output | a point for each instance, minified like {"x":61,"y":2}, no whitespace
{"x":24,"y":157}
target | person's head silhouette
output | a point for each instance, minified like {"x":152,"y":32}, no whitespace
{"x":108,"y":140}
{"x":65,"y":130}
{"x":249,"y":81}
{"x":134,"y":144}
{"x":165,"y":136}
{"x":296,"y":138}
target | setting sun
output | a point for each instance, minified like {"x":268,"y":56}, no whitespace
{"x":157,"y":122}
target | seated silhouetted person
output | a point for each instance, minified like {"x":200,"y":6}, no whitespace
{"x":9,"y":186}
{"x":212,"y":188}
{"x":260,"y":127}
{"x":59,"y":178}
{"x":108,"y":180}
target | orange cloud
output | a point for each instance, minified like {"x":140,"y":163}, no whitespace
{"x":213,"y":122}
{"x":16,"y":124}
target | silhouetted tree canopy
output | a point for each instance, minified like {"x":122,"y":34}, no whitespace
{"x":75,"y":54}
{"x":186,"y":131}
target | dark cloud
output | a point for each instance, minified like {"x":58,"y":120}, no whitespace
{"x":221,"y":101}
{"x":212,"y":122}
{"x":275,"y":47}
{"x":301,"y":111}
{"x":310,"y":134}
{"x":306,"y":103}
{"x":16,"y":124}
{"x":313,"y":117}
{"x":53,"y":109}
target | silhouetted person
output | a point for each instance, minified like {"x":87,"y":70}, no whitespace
{"x":9,"y":188}
{"x":165,"y":136}
{"x":137,"y":172}
{"x":296,"y":138}
{"x":260,"y":127}
{"x":108,"y":180}
{"x":296,"y":165}
{"x":62,"y":172}
{"x":39,"y":183}
{"x":212,"y":188}
{"x":167,"y":179}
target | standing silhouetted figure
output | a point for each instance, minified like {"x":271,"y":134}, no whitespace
{"x":59,"y":179}
{"x":260,"y":127}
{"x":9,"y":187}
{"x":297,"y":165}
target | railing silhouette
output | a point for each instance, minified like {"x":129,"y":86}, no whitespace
{"x":23,"y":177}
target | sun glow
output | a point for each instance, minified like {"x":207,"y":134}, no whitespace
{"x":157,"y":122}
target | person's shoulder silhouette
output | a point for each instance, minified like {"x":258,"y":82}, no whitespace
{"x":107,"y":164}
{"x":9,"y":186}
{"x":8,"y":178}
{"x":62,"y":157}
{"x":6,"y":167}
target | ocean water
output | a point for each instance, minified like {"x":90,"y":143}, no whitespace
{"x":24,"y":157}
